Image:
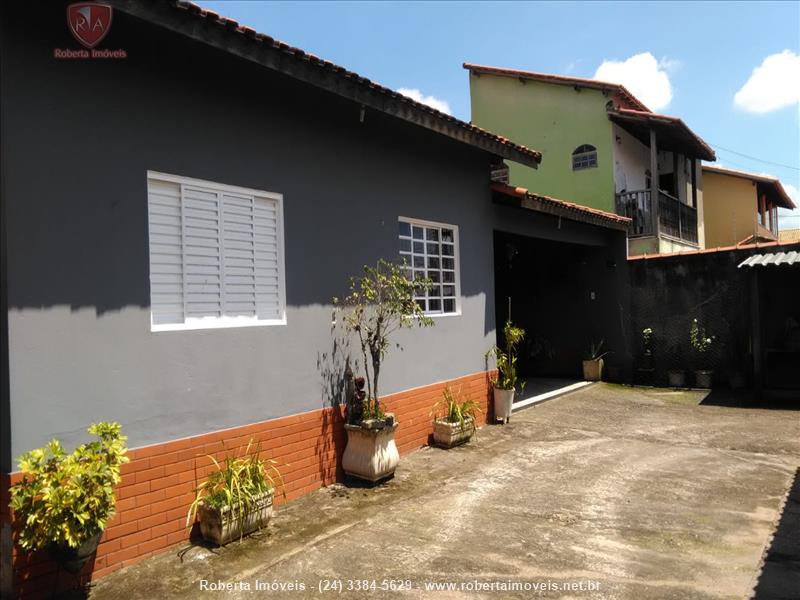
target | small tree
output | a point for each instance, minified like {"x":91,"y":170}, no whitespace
{"x":381,"y":302}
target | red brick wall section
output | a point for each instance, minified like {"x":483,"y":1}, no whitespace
{"x":157,"y":485}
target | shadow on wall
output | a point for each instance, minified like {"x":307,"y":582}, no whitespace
{"x":332,"y":367}
{"x":780,"y":573}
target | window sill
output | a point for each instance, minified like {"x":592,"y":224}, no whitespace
{"x":443,"y":315}
{"x":230,"y":323}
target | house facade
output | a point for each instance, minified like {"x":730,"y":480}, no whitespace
{"x":741,"y":207}
{"x":602,"y":148}
{"x":177,"y":221}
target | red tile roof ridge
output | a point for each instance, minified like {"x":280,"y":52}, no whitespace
{"x":555,"y":78}
{"x":299,"y":53}
{"x":524,"y":192}
{"x":677,"y":120}
{"x":717,"y":249}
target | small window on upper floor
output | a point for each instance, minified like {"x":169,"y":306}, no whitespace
{"x":584,"y":157}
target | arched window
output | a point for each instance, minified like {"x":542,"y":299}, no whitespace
{"x":584,"y":157}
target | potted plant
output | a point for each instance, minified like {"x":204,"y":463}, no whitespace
{"x":646,"y":369}
{"x":380,"y":302}
{"x":702,"y":344}
{"x":64,"y":501}
{"x":593,"y":363}
{"x":453,"y":420}
{"x":505,"y":382}
{"x":236,"y":498}
{"x":676,"y":378}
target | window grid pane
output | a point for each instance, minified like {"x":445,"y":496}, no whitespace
{"x":429,"y":251}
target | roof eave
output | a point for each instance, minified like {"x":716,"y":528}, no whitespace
{"x":560,"y":208}
{"x":785,"y":200}
{"x":250,"y":45}
{"x":702,"y":149}
{"x":578,"y":82}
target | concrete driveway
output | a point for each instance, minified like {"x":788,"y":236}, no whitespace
{"x":609,"y":492}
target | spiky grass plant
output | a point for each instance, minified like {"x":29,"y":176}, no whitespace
{"x":237,"y":483}
{"x":453,"y":410}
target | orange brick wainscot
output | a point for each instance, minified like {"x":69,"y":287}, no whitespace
{"x":158,"y":484}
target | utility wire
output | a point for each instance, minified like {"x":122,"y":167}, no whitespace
{"x":761,"y":160}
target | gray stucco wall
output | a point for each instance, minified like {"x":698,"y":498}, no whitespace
{"x":78,"y":138}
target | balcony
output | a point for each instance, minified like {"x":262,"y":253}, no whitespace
{"x":675,"y":219}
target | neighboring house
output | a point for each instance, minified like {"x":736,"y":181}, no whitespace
{"x":601,"y":148}
{"x":789,"y":235}
{"x":176,"y":223}
{"x":741,"y":207}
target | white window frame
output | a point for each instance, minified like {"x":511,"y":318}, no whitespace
{"x":584,"y":156}
{"x":456,"y":259}
{"x":225,"y":321}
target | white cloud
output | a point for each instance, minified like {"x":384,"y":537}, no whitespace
{"x":772,"y":85}
{"x":643,"y":75}
{"x":432,"y":101}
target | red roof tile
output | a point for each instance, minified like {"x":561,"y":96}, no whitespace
{"x":666,"y":119}
{"x":568,"y":208}
{"x":715,"y":250}
{"x":624,"y":95}
{"x":534,"y":155}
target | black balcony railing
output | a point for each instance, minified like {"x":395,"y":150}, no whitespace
{"x":675,"y":218}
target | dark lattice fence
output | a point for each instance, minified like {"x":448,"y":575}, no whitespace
{"x":667,"y":293}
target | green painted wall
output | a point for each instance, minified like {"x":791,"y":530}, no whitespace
{"x":554,"y":119}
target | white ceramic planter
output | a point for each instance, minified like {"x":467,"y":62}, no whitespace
{"x":593,"y":370}
{"x":221,"y":525}
{"x":447,"y":434}
{"x":677,"y":379}
{"x":371,"y":454}
{"x":503,"y":401}
{"x":703,"y":379}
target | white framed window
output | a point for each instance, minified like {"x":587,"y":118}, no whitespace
{"x":431,"y":250}
{"x":216,"y":255}
{"x":584,"y":157}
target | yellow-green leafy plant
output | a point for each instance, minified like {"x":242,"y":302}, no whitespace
{"x":237,"y":483}
{"x":452,"y":409}
{"x":506,"y":358}
{"x":64,"y":499}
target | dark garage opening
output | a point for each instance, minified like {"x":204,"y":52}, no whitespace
{"x":563,"y":295}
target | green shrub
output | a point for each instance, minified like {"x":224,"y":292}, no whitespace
{"x":65,"y":499}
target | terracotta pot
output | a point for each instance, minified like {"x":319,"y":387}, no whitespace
{"x":447,"y":435}
{"x":703,"y":379}
{"x":221,"y":525}
{"x":72,"y":559}
{"x":593,"y":369}
{"x":503,"y":402}
{"x":371,"y":454}
{"x":677,"y":379}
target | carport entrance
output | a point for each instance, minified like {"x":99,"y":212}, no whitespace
{"x":561,"y":274}
{"x":558,"y":292}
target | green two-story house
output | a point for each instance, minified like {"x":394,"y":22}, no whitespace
{"x":601,"y":147}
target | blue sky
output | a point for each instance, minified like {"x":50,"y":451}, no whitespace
{"x":702,"y":54}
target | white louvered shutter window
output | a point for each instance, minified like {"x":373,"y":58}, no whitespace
{"x":216,"y":255}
